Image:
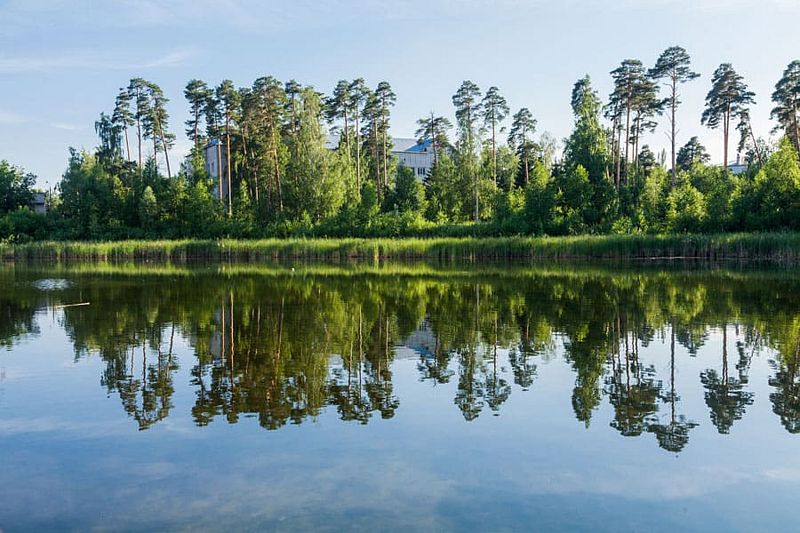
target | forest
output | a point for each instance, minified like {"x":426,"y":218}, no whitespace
{"x":493,"y":174}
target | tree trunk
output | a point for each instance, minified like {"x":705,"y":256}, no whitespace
{"x":674,"y":104}
{"x":494,"y":152}
{"x":378,"y":187}
{"x":166,"y":152}
{"x":219,"y":172}
{"x":127,"y":144}
{"x":433,"y":141}
{"x":619,"y":155}
{"x":346,"y":134}
{"x":725,"y":125}
{"x":228,"y":161}
{"x":139,"y":136}
{"x":385,"y":156}
{"x":526,"y":169}
{"x":196,"y":125}
{"x":627,"y":138}
{"x":277,"y":171}
{"x":358,"y":152}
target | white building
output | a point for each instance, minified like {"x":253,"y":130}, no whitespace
{"x":215,"y":166}
{"x":414,"y":155}
{"x":410,"y":153}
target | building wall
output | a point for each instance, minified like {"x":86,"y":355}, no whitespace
{"x":213,"y":170}
{"x":39,"y":203}
{"x":420,"y":162}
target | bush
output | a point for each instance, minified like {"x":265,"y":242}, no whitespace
{"x":23,"y":225}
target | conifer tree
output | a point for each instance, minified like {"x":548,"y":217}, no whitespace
{"x":673,"y":66}
{"x":787,"y":103}
{"x":468,"y":111}
{"x":228,"y":97}
{"x":494,"y":110}
{"x":197,"y":94}
{"x":123,"y":118}
{"x":728,"y":98}
{"x":434,"y":129}
{"x":523,"y":126}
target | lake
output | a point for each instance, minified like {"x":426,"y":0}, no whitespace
{"x":399,"y":397}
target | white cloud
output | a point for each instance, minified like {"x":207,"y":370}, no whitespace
{"x":64,"y":126}
{"x":90,"y":60}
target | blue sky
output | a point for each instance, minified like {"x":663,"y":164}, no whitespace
{"x":62,"y":62}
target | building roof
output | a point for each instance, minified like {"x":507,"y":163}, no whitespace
{"x":420,"y":147}
{"x":399,"y":144}
{"x":403,"y":144}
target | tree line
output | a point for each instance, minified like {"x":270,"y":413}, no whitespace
{"x":276,"y":174}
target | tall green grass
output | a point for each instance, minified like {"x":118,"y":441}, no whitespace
{"x":779,"y":247}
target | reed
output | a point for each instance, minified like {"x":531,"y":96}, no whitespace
{"x":774,"y":247}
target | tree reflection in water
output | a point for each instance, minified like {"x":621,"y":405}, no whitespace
{"x":283,"y":347}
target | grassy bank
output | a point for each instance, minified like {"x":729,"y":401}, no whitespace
{"x":778,"y":247}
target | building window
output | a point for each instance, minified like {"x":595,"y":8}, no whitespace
{"x":421,"y":171}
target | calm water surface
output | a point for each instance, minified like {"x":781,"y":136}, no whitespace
{"x":399,"y":398}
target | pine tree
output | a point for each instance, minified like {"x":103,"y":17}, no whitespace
{"x":523,"y":126}
{"x":197,"y":94}
{"x":386,"y":99}
{"x":138,"y":95}
{"x":727,"y":99}
{"x":158,"y":120}
{"x":787,"y":103}
{"x":228,"y":97}
{"x":673,"y":66}
{"x":213,"y":115}
{"x":631,"y":96}
{"x":494,"y":110}
{"x":468,"y":111}
{"x":434,"y":129}
{"x":358,"y":93}
{"x":123,"y":118}
{"x":691,"y":153}
{"x":337,"y":106}
{"x":269,"y":105}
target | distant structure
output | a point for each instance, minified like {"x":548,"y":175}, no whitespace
{"x":39,"y":203}
{"x":214,"y":167}
{"x":418,"y":156}
{"x":737,"y":168}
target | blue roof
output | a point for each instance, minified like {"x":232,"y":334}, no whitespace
{"x":420,"y":147}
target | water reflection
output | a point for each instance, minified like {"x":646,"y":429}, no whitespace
{"x":284,"y":346}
